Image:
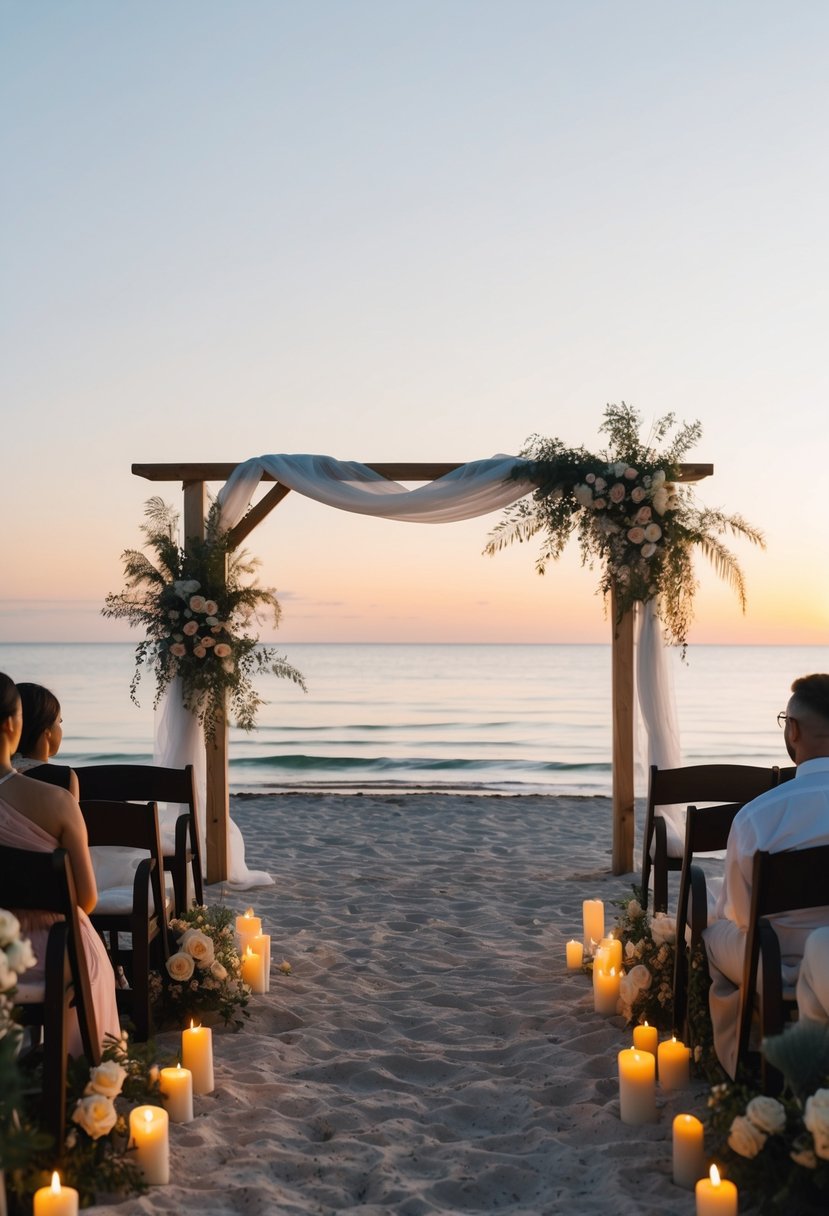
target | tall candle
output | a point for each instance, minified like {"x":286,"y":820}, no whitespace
{"x":600,"y":963}
{"x":253,"y":970}
{"x":150,"y":1139}
{"x":613,"y":946}
{"x":176,"y":1086}
{"x":593,"y":917}
{"x":56,"y":1200}
{"x":646,"y":1038}
{"x":197,"y":1055}
{"x":688,"y":1151}
{"x":637,"y":1086}
{"x":575,"y":955}
{"x":606,"y":991}
{"x":674,"y":1064}
{"x":261,"y":944}
{"x":716,"y":1196}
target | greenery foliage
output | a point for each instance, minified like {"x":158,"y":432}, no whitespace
{"x":204,"y":973}
{"x":629,"y":512}
{"x":196,"y":609}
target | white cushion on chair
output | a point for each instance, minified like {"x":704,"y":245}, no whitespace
{"x":117,"y":901}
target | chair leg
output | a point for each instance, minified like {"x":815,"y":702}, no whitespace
{"x":660,"y":866}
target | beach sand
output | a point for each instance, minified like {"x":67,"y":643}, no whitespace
{"x":430,"y":1052}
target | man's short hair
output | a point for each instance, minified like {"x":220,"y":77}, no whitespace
{"x":812,"y":694}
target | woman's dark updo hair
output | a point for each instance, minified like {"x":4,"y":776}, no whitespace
{"x":41,"y":709}
{"x":9,"y":697}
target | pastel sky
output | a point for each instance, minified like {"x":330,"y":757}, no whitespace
{"x":420,"y":230}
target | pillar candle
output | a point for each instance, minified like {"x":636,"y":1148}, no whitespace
{"x":646,"y":1038}
{"x":176,"y":1085}
{"x":247,"y":927}
{"x":253,"y":970}
{"x":593,"y":916}
{"x":637,"y":1086}
{"x":197,"y":1056}
{"x":716,"y":1196}
{"x":600,"y":963}
{"x":674,"y":1064}
{"x":575,"y":955}
{"x":150,"y":1139}
{"x":688,"y":1151}
{"x":606,"y":991}
{"x":56,"y":1200}
{"x":261,"y":944}
{"x":613,"y":946}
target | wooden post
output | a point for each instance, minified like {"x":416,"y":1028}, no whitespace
{"x":622,"y":700}
{"x":218,"y":803}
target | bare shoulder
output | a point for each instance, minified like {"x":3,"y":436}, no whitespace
{"x":50,"y":806}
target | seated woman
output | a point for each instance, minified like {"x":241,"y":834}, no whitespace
{"x":41,"y":738}
{"x":42,"y":818}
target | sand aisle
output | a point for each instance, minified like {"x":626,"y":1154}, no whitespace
{"x":430,"y":1052}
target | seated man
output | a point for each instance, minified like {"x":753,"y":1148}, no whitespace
{"x":795,"y":815}
{"x":813,"y":982}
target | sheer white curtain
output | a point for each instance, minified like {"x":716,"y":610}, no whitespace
{"x":657,"y":705}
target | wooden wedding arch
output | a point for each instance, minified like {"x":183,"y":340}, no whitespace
{"x":194,"y":479}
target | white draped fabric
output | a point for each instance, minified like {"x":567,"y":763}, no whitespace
{"x":657,"y":705}
{"x":474,"y":489}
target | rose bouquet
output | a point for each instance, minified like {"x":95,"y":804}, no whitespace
{"x":648,"y":952}
{"x":204,"y":974}
{"x":196,"y":611}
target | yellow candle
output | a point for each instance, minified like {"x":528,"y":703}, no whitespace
{"x":606,"y":991}
{"x":688,"y":1151}
{"x":253,"y":970}
{"x":176,"y":1085}
{"x":600,"y":963}
{"x":593,"y":917}
{"x":247,"y":927}
{"x":197,"y":1056}
{"x":646,"y":1038}
{"x":716,"y":1196}
{"x":613,"y":946}
{"x":674,"y":1064}
{"x":575,"y":955}
{"x":56,"y":1200}
{"x":637,"y":1086}
{"x":150,"y":1139}
{"x":261,"y":944}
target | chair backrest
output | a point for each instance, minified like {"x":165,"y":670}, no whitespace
{"x":131,"y":825}
{"x":781,"y":882}
{"x":721,"y":783}
{"x":137,"y":783}
{"x":44,"y":882}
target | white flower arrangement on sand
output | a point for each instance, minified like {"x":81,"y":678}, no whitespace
{"x":204,"y":974}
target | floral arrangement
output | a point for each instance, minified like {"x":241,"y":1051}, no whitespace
{"x":19,"y":1136}
{"x":204,"y":974}
{"x":629,"y":512}
{"x":648,"y":952}
{"x":778,"y":1150}
{"x":196,"y":611}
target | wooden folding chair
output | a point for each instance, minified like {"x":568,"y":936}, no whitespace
{"x":706,"y":831}
{"x":43,"y":882}
{"x":781,"y":882}
{"x":153,"y":783}
{"x":140,"y":910}
{"x":714,"y":783}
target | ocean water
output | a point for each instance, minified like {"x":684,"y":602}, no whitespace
{"x":517,"y":719}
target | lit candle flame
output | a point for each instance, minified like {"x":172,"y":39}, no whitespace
{"x":612,"y":971}
{"x":249,"y":913}
{"x":148,"y":1116}
{"x":645,"y":1022}
{"x":55,"y":1182}
{"x":714,"y":1175}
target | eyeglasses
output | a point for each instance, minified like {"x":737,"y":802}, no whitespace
{"x":783,"y":718}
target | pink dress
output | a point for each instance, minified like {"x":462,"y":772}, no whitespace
{"x":18,"y":832}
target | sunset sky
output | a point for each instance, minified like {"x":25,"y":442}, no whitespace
{"x":420,"y":230}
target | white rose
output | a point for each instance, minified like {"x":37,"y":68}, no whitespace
{"x":648,"y":550}
{"x":768,"y":1114}
{"x":634,"y":909}
{"x":658,"y":478}
{"x":663,"y":929}
{"x":660,"y":500}
{"x":185,"y":587}
{"x":9,"y":927}
{"x":640,"y":977}
{"x":96,"y":1115}
{"x":20,"y":955}
{"x":583,"y":495}
{"x":653,"y":532}
{"x":107,"y":1079}
{"x":628,"y":991}
{"x":600,"y":484}
{"x":816,"y":1118}
{"x":630,"y":949}
{"x":8,"y":977}
{"x":218,"y":971}
{"x":199,"y":946}
{"x":744,"y":1138}
{"x":618,"y":469}
{"x":181,"y":966}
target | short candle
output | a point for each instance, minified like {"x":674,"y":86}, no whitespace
{"x":688,"y":1151}
{"x":197,"y":1055}
{"x":248,"y":927}
{"x":253,"y":970}
{"x":606,"y":991}
{"x":176,"y":1086}
{"x":637,"y":1086}
{"x":593,"y":917}
{"x":575,"y":955}
{"x":716,"y":1196}
{"x":56,"y":1200}
{"x":150,"y":1139}
{"x":646,"y":1038}
{"x":674,"y":1064}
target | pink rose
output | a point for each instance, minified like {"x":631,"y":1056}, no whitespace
{"x":637,"y":493}
{"x":197,"y":603}
{"x":617,"y":492}
{"x":211,"y":607}
{"x":648,"y":549}
{"x":653,"y":532}
{"x":631,"y":473}
{"x":643,"y":515}
{"x":178,"y":650}
{"x":636,"y":535}
{"x":208,"y":642}
{"x":601,"y":484}
{"x":590,"y":478}
{"x":599,"y":504}
{"x":199,"y":652}
{"x":190,"y":628}
{"x":216,"y":629}
{"x":222,"y":650}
